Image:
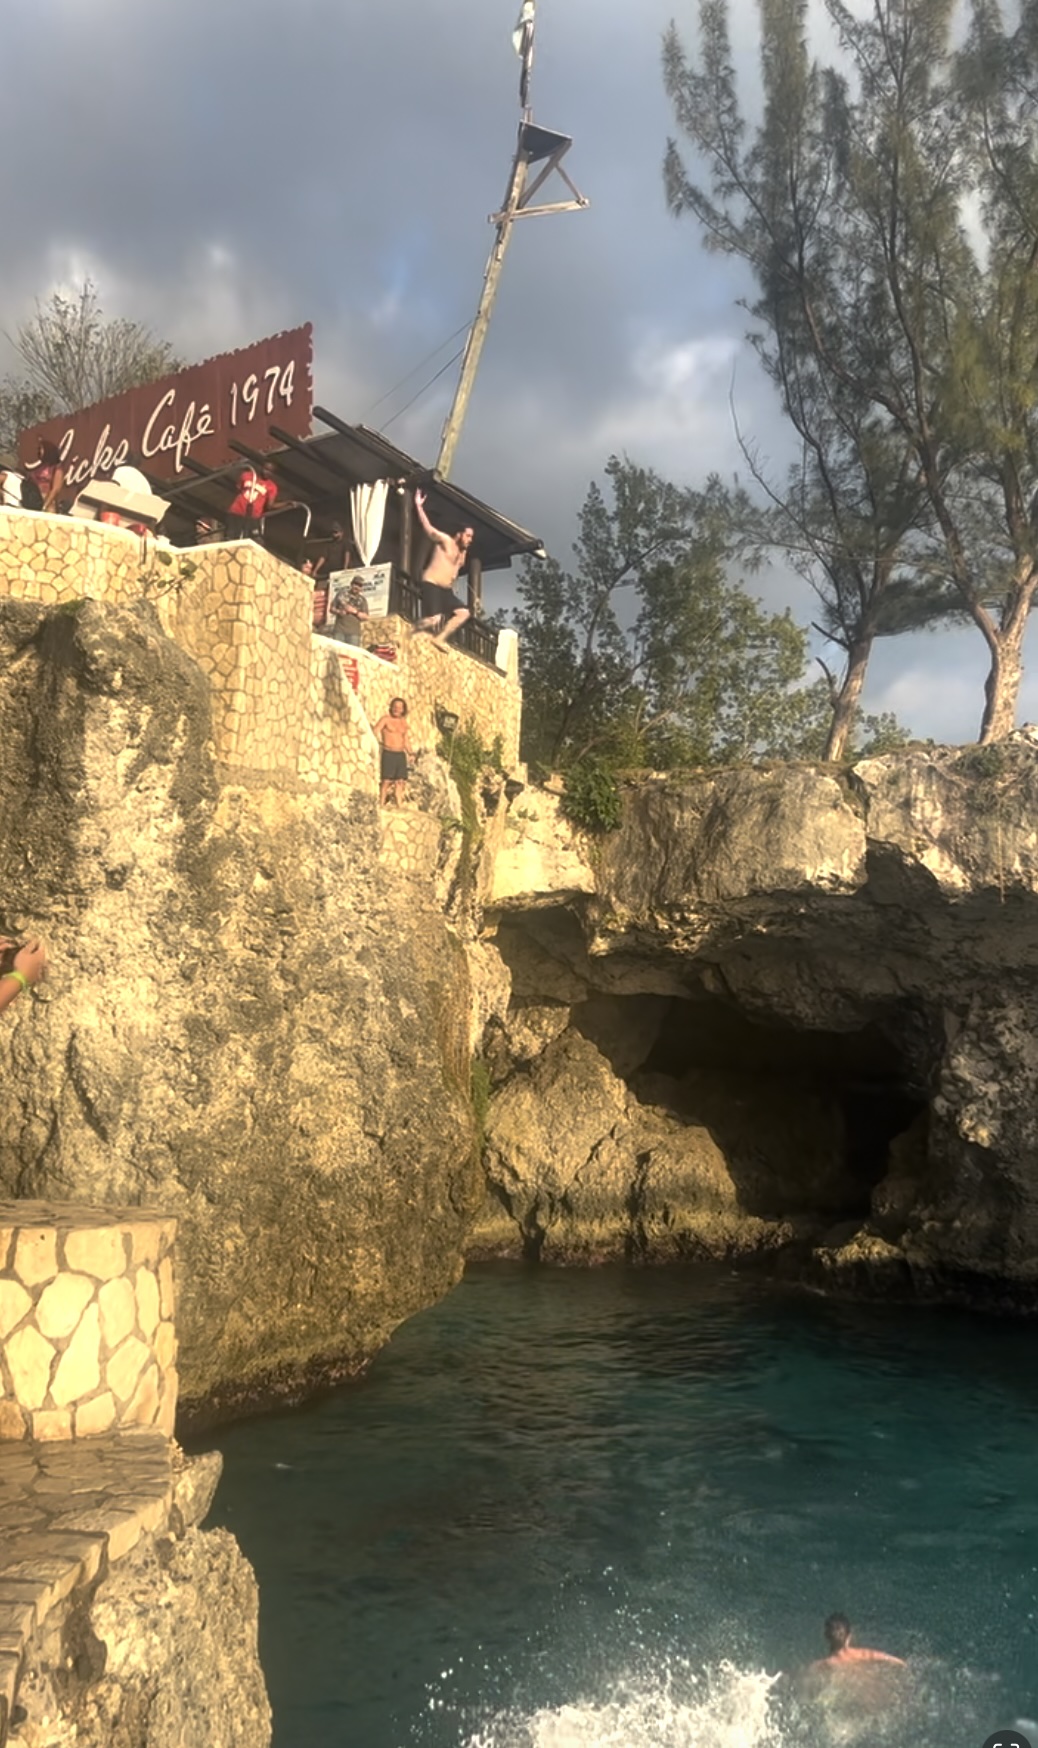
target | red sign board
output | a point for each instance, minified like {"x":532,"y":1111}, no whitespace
{"x":350,"y":671}
{"x":192,"y":413}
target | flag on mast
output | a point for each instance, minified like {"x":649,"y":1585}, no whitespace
{"x":522,"y":39}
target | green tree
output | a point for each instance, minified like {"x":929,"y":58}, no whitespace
{"x":647,"y":653}
{"x":901,"y":337}
{"x":72,"y":355}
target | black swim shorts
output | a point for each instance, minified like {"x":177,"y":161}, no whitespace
{"x":438,"y":598}
{"x":394,"y":766}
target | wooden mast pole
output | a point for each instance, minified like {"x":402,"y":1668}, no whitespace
{"x":478,"y":331}
{"x":534,"y":145}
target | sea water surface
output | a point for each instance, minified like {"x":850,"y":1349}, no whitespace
{"x":611,"y":1507}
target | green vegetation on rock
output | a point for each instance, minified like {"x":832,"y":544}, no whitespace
{"x":591,"y":798}
{"x":466,"y":756}
{"x":649,"y":654}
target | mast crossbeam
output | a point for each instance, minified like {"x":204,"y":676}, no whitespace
{"x":535,"y":145}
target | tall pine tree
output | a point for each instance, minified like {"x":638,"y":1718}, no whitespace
{"x":886,"y":207}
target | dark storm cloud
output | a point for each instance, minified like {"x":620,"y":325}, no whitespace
{"x":226,"y":170}
{"x":338,"y":161}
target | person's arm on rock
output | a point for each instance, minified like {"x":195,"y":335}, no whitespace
{"x":28,"y":966}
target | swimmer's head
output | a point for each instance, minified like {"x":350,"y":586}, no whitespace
{"x":837,"y":1632}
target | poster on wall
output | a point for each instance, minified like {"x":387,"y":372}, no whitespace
{"x":374,"y":586}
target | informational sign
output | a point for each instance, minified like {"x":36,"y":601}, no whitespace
{"x":193,"y":413}
{"x":374,"y":586}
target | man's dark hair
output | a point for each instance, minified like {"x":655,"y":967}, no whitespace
{"x":402,"y":701}
{"x":837,"y":1631}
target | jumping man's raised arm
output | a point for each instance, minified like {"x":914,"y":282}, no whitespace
{"x":435,"y":534}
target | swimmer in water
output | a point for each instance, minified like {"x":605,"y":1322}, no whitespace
{"x":837,"y":1631}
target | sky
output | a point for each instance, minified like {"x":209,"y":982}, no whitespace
{"x":223,"y":172}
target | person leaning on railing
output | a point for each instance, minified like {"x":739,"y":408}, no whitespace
{"x":25,"y":966}
{"x":256,"y":494}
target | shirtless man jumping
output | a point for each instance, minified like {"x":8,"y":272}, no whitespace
{"x":442,"y":611}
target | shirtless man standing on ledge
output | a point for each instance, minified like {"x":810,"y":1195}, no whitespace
{"x":442,"y":612}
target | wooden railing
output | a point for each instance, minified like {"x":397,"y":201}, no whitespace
{"x":475,"y":636}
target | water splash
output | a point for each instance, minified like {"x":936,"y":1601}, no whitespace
{"x":729,"y":1707}
{"x":724,"y":1707}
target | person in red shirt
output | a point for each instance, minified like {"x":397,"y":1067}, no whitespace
{"x":256,"y":494}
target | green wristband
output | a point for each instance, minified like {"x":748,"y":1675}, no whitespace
{"x":19,"y":978}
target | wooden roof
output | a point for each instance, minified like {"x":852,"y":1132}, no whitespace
{"x":319,"y":471}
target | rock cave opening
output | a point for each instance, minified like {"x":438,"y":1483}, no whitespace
{"x":806,"y":1119}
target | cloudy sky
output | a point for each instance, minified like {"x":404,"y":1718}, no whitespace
{"x":225,"y":171}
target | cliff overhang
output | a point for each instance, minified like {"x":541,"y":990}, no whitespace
{"x":802,"y":1003}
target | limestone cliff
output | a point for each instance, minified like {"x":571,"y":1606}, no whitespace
{"x":779,"y":1012}
{"x":250,"y":1022}
{"x":784,"y":1010}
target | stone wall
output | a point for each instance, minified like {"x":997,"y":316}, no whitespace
{"x":121,"y":1622}
{"x":431,"y":678}
{"x":413,"y":845}
{"x":57,"y":558}
{"x":87,"y":1339}
{"x":245,"y":619}
{"x":279,"y":703}
{"x":339,"y":750}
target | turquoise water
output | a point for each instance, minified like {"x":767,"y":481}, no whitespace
{"x":609,"y":1507}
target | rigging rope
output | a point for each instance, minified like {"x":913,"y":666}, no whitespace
{"x":465,"y":326}
{"x":420,"y":392}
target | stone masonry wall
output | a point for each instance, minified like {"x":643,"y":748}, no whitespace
{"x":87,"y":1340}
{"x":57,"y":558}
{"x":339,"y":750}
{"x":245,"y":619}
{"x":413,"y":847}
{"x":122,"y":1623}
{"x":431,"y":678}
{"x":278,"y":693}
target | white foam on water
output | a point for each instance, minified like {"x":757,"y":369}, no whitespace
{"x":724,"y":1707}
